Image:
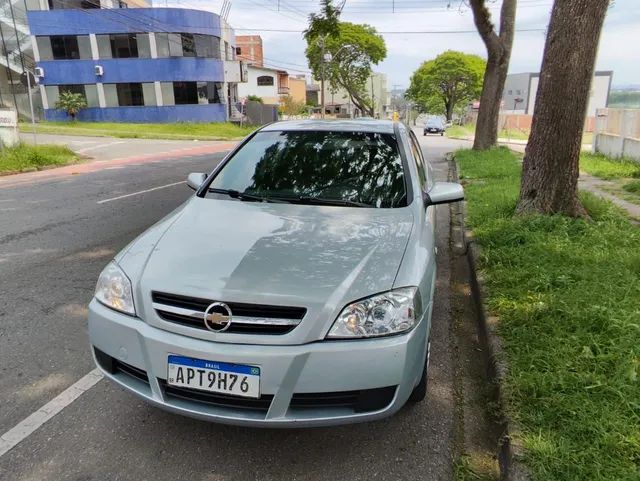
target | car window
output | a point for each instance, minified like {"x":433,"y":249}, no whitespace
{"x":363,"y":167}
{"x":419,"y":160}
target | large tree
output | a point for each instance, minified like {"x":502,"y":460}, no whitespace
{"x":447,"y":82}
{"x":353,"y":49}
{"x":551,"y":168}
{"x":498,"y":44}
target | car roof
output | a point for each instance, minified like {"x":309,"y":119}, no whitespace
{"x":343,"y":125}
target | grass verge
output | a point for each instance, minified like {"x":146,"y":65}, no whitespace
{"x":26,"y":158}
{"x":468,"y":130}
{"x":175,"y":131}
{"x":567,"y":293}
{"x":607,"y":168}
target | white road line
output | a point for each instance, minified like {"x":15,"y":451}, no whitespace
{"x":104,"y":201}
{"x":99,"y":146}
{"x":32,"y":422}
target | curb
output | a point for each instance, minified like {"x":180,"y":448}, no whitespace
{"x":510,"y":451}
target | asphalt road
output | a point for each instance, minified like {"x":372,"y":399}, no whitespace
{"x":55,"y":237}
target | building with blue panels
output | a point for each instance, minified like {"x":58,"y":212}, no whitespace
{"x":133,"y":64}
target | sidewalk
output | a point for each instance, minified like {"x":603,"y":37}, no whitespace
{"x":113,"y":148}
{"x":592,"y":184}
{"x":133,"y":151}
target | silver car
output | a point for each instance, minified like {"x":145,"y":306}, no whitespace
{"x":295,"y":288}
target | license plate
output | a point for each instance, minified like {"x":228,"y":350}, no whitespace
{"x":213,"y":376}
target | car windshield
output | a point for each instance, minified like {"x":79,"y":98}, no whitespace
{"x":434,"y":123}
{"x":343,"y":168}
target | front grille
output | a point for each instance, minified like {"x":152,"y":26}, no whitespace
{"x":365,"y":400}
{"x":220,"y":400}
{"x":247,"y":318}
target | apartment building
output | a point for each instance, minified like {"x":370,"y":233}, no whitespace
{"x":133,"y":64}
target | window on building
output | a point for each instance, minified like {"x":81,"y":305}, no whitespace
{"x":124,"y":45}
{"x":265,"y":81}
{"x":89,"y":92}
{"x":510,"y":92}
{"x":130,"y":94}
{"x":65,"y":47}
{"x":191,"y":93}
{"x":187,"y":45}
{"x":238,"y":50}
{"x":518,"y":92}
{"x":185,"y":93}
{"x":59,"y":4}
{"x":207,"y":46}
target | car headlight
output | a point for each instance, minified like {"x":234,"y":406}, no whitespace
{"x":114,"y":289}
{"x":384,"y":314}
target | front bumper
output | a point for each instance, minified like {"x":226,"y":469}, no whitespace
{"x":301,"y":385}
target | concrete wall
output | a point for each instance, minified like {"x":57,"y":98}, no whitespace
{"x":617,"y":133}
{"x":525,"y":86}
{"x":298,"y":89}
{"x":516,"y":86}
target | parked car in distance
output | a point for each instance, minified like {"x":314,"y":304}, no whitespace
{"x":434,"y":126}
{"x":295,"y":288}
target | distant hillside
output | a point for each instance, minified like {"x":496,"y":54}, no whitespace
{"x":624,"y":99}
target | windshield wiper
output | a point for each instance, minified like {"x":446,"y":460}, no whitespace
{"x":236,"y":194}
{"x":322,"y":201}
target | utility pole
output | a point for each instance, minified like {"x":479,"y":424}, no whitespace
{"x":373,"y":99}
{"x":321,"y":42}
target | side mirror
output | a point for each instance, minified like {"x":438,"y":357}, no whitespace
{"x":195,"y":180}
{"x":443,"y":193}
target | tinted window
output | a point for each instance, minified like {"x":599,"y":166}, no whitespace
{"x":129,"y":94}
{"x":353,"y":166}
{"x":417,"y":155}
{"x":124,"y":45}
{"x":434,"y":123}
{"x":65,"y":47}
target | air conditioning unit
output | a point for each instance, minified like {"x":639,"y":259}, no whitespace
{"x":99,"y":70}
{"x":38,"y":72}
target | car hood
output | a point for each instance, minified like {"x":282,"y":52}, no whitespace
{"x":317,"y":257}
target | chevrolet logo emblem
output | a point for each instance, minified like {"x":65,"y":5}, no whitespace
{"x":217,"y":321}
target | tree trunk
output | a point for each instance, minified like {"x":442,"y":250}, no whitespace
{"x":498,"y":56}
{"x":495,"y":76}
{"x":551,"y":163}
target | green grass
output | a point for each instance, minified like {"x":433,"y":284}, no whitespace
{"x":567,"y":293}
{"x":177,"y":131}
{"x":468,"y":130}
{"x":633,"y":187}
{"x":607,"y":168}
{"x":25,"y":157}
{"x":460,"y":131}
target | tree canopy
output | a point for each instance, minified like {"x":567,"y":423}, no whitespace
{"x":353,"y":48}
{"x":448,"y":82}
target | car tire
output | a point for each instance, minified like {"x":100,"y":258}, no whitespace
{"x":441,"y":134}
{"x":425,"y":134}
{"x":419,"y":392}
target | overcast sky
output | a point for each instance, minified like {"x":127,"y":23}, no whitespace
{"x":619,"y":45}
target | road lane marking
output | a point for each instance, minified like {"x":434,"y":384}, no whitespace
{"x":104,"y":201}
{"x":99,"y":146}
{"x":32,"y":422}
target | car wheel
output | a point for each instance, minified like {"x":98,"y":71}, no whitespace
{"x":420,"y":391}
{"x":441,"y":134}
{"x":425,"y":134}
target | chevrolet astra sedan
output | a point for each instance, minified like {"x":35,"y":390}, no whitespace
{"x":294,"y":288}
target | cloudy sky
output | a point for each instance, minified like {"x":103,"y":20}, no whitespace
{"x":619,"y":45}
